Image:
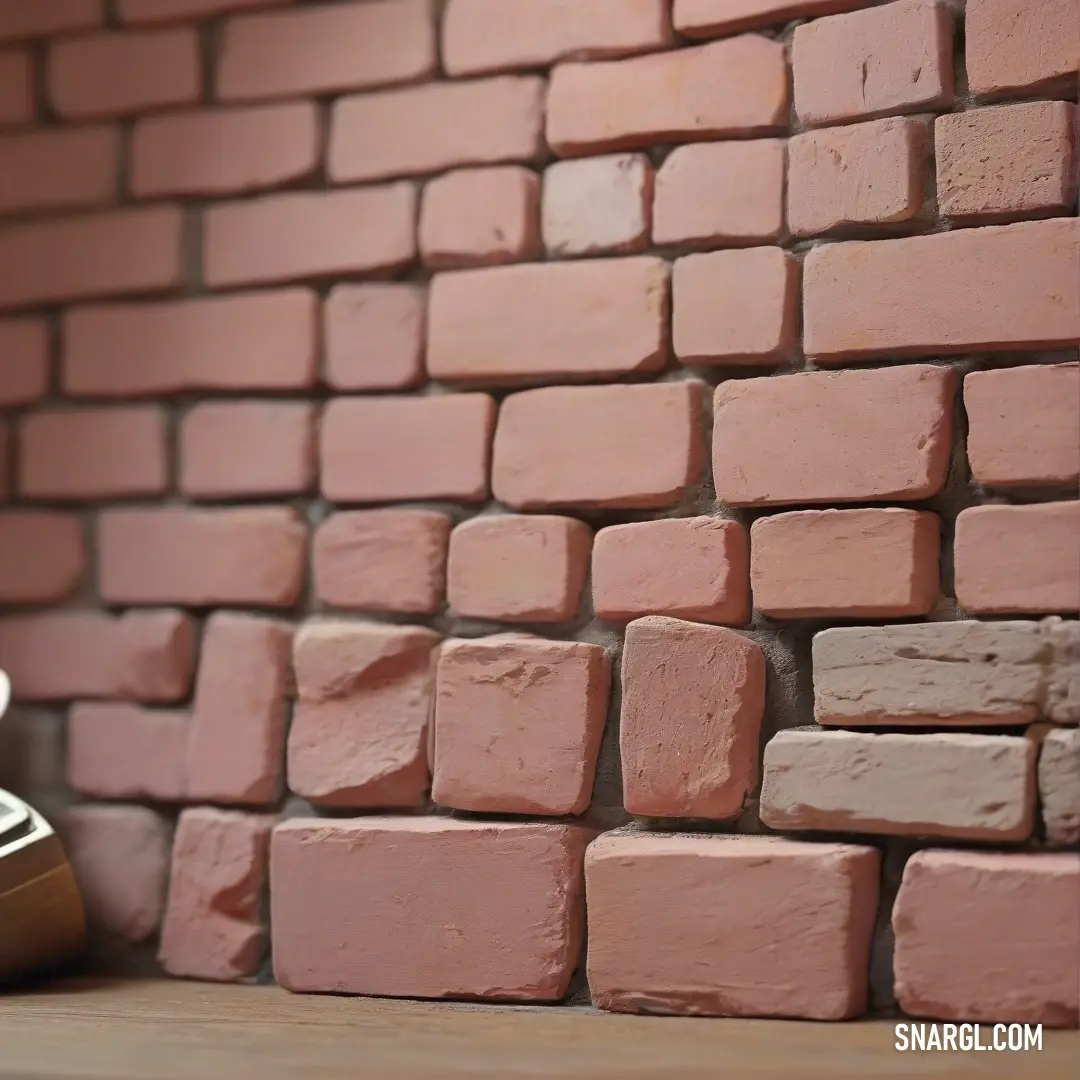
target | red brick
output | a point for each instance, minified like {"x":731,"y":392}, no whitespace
{"x":500,"y":915}
{"x":823,"y":437}
{"x":596,"y":318}
{"x":484,"y":36}
{"x":244,"y":556}
{"x":518,"y":723}
{"x":114,"y":74}
{"x":713,"y":679}
{"x":1002,"y":287}
{"x":326,"y":49}
{"x":140,"y":656}
{"x":721,"y":193}
{"x":1018,"y":47}
{"x":734,"y":87}
{"x":438,"y":126}
{"x":474,"y":217}
{"x":160,"y":11}
{"x":888,"y":59}
{"x":797,"y":923}
{"x":1012,"y":559}
{"x":256,"y":341}
{"x":300,"y":235}
{"x":236,"y":449}
{"x":119,"y":751}
{"x":689,"y":568}
{"x":382,"y":560}
{"x":713,"y":18}
{"x":359,"y":735}
{"x":374,"y":336}
{"x":58,"y":169}
{"x":110,"y":253}
{"x":859,"y":176}
{"x":613,"y":446}
{"x":236,"y":741}
{"x":1004,"y":447}
{"x":396,"y":448}
{"x":224,"y":151}
{"x":6,"y":457}
{"x":213,"y":928}
{"x":16,"y":88}
{"x":19,"y":20}
{"x":42,"y":556}
{"x":25,"y":348}
{"x":736,"y":307}
{"x":972,"y":940}
{"x":1009,"y":160}
{"x":518,"y":567}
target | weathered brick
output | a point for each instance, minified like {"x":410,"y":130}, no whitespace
{"x":590,"y":318}
{"x":733,"y":87}
{"x":24,"y":374}
{"x":709,"y":18}
{"x":512,"y":933}
{"x":518,"y":723}
{"x":888,"y":59}
{"x":1008,"y":287}
{"x":823,"y":437}
{"x":42,"y":556}
{"x":1059,"y":785}
{"x":704,"y":764}
{"x":245,"y":556}
{"x":58,"y":169}
{"x":797,"y":921}
{"x":972,"y":787}
{"x":20,"y":20}
{"x":396,"y":448}
{"x":869,"y":564}
{"x":972,"y":940}
{"x":614,"y":446}
{"x":689,"y":568}
{"x":17,"y":105}
{"x":253,"y":341}
{"x":359,"y":734}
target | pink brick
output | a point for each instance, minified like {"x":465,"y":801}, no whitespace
{"x":86,"y":454}
{"x":213,"y":927}
{"x":1005,"y":449}
{"x":721,"y":193}
{"x":382,"y":560}
{"x":224,"y":151}
{"x":1009,"y":160}
{"x":160,"y":11}
{"x":300,"y":235}
{"x":612,"y":446}
{"x":972,"y":940}
{"x":867,"y":564}
{"x":482,"y":36}
{"x":475,"y":217}
{"x":888,"y":59}
{"x":1018,"y":558}
{"x":1059,"y":785}
{"x":822,"y":437}
{"x":689,"y":568}
{"x":518,"y":567}
{"x":714,"y":18}
{"x":57,"y":169}
{"x":500,"y":916}
{"x":734,"y":87}
{"x":435,"y":127}
{"x":854,"y":177}
{"x":42,"y":556}
{"x":120,"y":858}
{"x":110,"y":253}
{"x":251,"y":556}
{"x":398,"y":448}
{"x":326,"y":49}
{"x":235,"y":449}
{"x":16,"y":88}
{"x":113,"y":74}
{"x":19,"y":20}
{"x":797,"y":921}
{"x":518,"y":723}
{"x":254,"y":341}
{"x":120,"y":751}
{"x":359,"y":735}
{"x":236,"y":741}
{"x":590,"y":318}
{"x":374,"y":336}
{"x":736,"y":307}
{"x":1004,"y":287}
{"x":24,"y":373}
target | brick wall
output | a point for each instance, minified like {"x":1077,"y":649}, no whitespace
{"x":436,"y":434}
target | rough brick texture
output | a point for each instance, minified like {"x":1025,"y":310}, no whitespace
{"x":1059,"y":785}
{"x":42,"y":556}
{"x":708,"y":18}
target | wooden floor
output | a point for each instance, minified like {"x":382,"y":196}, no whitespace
{"x":138,"y":1030}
